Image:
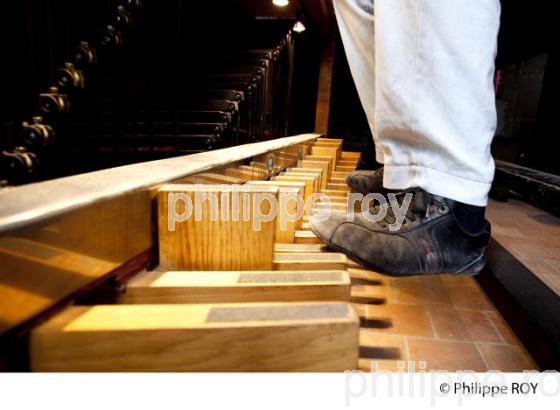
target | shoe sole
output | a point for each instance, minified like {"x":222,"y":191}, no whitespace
{"x":473,"y":268}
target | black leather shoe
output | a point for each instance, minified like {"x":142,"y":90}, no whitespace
{"x":366,"y":182}
{"x":430,"y":240}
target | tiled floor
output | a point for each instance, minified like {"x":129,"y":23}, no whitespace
{"x":529,"y":234}
{"x":431,"y":323}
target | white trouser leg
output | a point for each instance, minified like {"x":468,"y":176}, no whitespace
{"x":434,"y":112}
{"x":357,"y":30}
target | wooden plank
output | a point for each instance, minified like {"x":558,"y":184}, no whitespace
{"x":317,"y":182}
{"x":331,"y":140}
{"x":338,"y":187}
{"x":333,"y":210}
{"x":236,"y":286}
{"x":214,"y":242}
{"x":300,"y":186}
{"x":313,"y":336}
{"x":285,"y":160}
{"x":337,"y":180}
{"x":328,"y":141}
{"x":208,"y":178}
{"x":347,"y":164}
{"x":340,"y":206}
{"x":313,"y":171}
{"x":287,"y":220}
{"x":219,"y":179}
{"x":300,"y":248}
{"x":318,"y":158}
{"x":294,"y":150}
{"x":305,"y":149}
{"x":306,"y":237}
{"x":193,"y":180}
{"x":45,"y":263}
{"x":337,"y":199}
{"x":243,"y":174}
{"x":328,"y":145}
{"x":331,"y":193}
{"x":264,"y":166}
{"x":332,"y":152}
{"x":325,"y":82}
{"x":309,"y":182}
{"x":344,"y":169}
{"x":310,"y":261}
{"x":254,"y":170}
{"x":325,"y":165}
{"x":351,"y":155}
{"x":339,"y":174}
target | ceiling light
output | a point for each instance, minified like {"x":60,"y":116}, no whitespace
{"x":299,"y":27}
{"x":280,"y":3}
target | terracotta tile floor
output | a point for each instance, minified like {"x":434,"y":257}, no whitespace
{"x":529,"y":234}
{"x":431,"y":323}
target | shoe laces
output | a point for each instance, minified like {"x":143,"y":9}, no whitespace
{"x":422,"y":206}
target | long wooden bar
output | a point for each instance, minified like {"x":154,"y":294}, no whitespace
{"x":214,"y":242}
{"x":237,"y":286}
{"x":274,"y":337}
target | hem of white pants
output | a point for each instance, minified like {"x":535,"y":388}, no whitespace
{"x":436,"y":182}
{"x":379,"y":155}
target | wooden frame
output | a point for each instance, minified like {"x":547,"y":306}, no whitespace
{"x":103,"y":220}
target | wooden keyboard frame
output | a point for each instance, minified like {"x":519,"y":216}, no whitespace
{"x":61,"y":238}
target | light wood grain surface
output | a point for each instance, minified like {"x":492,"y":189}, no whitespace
{"x":212,"y":243}
{"x":237,"y":286}
{"x":319,"y":336}
{"x":310,"y":261}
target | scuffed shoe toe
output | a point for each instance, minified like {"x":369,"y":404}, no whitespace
{"x":366,"y":182}
{"x":325,"y":228}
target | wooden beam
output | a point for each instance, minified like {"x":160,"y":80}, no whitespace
{"x":339,"y":174}
{"x":322,"y":112}
{"x":351,"y":155}
{"x":300,"y":248}
{"x":325,"y":165}
{"x":320,"y":336}
{"x":299,"y":186}
{"x":310,"y":261}
{"x":243,"y":175}
{"x":333,"y":152}
{"x":237,"y":286}
{"x":332,"y":193}
{"x":213,"y":242}
{"x":348,"y":163}
{"x":341,"y":168}
{"x":308,"y":180}
{"x":307,"y":237}
{"x":317,"y":175}
{"x":329,"y":140}
{"x":219,"y":178}
{"x":314,"y":171}
{"x":338,"y":187}
{"x":254,"y":170}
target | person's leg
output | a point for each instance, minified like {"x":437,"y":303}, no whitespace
{"x":356,"y":24}
{"x":434,"y":121}
{"x":435,"y":107}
